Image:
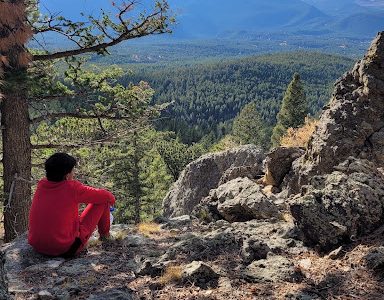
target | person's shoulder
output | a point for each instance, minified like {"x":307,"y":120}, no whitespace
{"x":73,"y":183}
{"x":42,"y":181}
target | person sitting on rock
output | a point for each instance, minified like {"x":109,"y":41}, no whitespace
{"x":55,"y":227}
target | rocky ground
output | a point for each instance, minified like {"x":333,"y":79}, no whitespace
{"x":189,"y":260}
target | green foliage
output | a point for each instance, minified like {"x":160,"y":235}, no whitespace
{"x":207,"y":96}
{"x":250,"y":128}
{"x":177,"y":155}
{"x":107,"y":129}
{"x":225,"y":143}
{"x":278,"y":131}
{"x":294,"y":109}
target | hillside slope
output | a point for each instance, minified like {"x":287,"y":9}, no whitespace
{"x":207,"y":96}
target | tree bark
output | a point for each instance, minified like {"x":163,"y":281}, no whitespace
{"x":16,"y":163}
{"x":14,"y":34}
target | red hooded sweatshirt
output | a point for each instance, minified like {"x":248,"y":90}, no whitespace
{"x":54,"y":214}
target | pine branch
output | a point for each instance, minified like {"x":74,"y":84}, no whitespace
{"x":78,"y":116}
{"x":110,"y":33}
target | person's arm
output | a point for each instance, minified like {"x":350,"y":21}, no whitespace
{"x":88,"y":194}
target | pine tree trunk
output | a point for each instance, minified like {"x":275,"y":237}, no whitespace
{"x":14,"y":34}
{"x":16,"y":163}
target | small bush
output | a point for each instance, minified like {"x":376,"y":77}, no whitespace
{"x":299,"y":137}
{"x":148,"y":228}
{"x":171,"y":274}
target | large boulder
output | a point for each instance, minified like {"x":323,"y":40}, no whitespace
{"x":278,"y":164}
{"x":205,"y":173}
{"x":238,"y":200}
{"x":242,"y":200}
{"x":340,"y":206}
{"x":352,"y":124}
{"x":200,"y":274}
{"x":274,"y":269}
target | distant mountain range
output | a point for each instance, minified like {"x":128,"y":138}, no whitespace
{"x":211,"y":18}
{"x":205,"y":19}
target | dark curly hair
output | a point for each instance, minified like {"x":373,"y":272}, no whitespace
{"x":58,"y":165}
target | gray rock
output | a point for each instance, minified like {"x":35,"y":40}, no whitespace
{"x":336,"y":254}
{"x":136,"y":240}
{"x":63,"y":295}
{"x":45,"y":266}
{"x":204,"y":174}
{"x":18,"y":256}
{"x":254,"y":249}
{"x":222,"y":224}
{"x":3,"y":282}
{"x":236,"y":172}
{"x":147,"y":267}
{"x":197,"y":247}
{"x":276,"y":235}
{"x":273,"y":269}
{"x":278,"y":164}
{"x":75,"y":267}
{"x":238,"y":200}
{"x":375,"y":259}
{"x":241,"y":200}
{"x":67,"y":290}
{"x":114,"y":294}
{"x":340,"y":206}
{"x":200,"y":274}
{"x":45,"y":295}
{"x":177,"y":222}
{"x":353,"y":123}
{"x":377,"y":142}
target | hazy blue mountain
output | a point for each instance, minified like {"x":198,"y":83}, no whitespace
{"x":363,"y":24}
{"x":339,"y":8}
{"x":201,"y":18}
{"x":207,"y":19}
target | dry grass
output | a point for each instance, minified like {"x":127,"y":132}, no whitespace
{"x":299,"y":137}
{"x":121,"y":235}
{"x":148,"y":228}
{"x":171,"y":274}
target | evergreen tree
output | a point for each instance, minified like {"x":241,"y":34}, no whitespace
{"x":177,"y":155}
{"x":293,"y":111}
{"x":250,"y":128}
{"x":18,"y":23}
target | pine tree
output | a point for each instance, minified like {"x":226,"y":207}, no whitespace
{"x":250,"y":128}
{"x":177,"y":155}
{"x":293,"y":111}
{"x":20,"y":22}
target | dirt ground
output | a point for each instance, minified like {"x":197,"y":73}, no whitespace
{"x":345,"y":277}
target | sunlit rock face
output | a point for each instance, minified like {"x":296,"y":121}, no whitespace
{"x":353,"y":122}
{"x":207,"y":172}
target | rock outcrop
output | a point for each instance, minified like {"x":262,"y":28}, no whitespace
{"x":342,"y":205}
{"x":240,"y":199}
{"x":278,"y":163}
{"x":353,"y":122}
{"x":275,"y":268}
{"x":338,"y":179}
{"x":205,"y":173}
